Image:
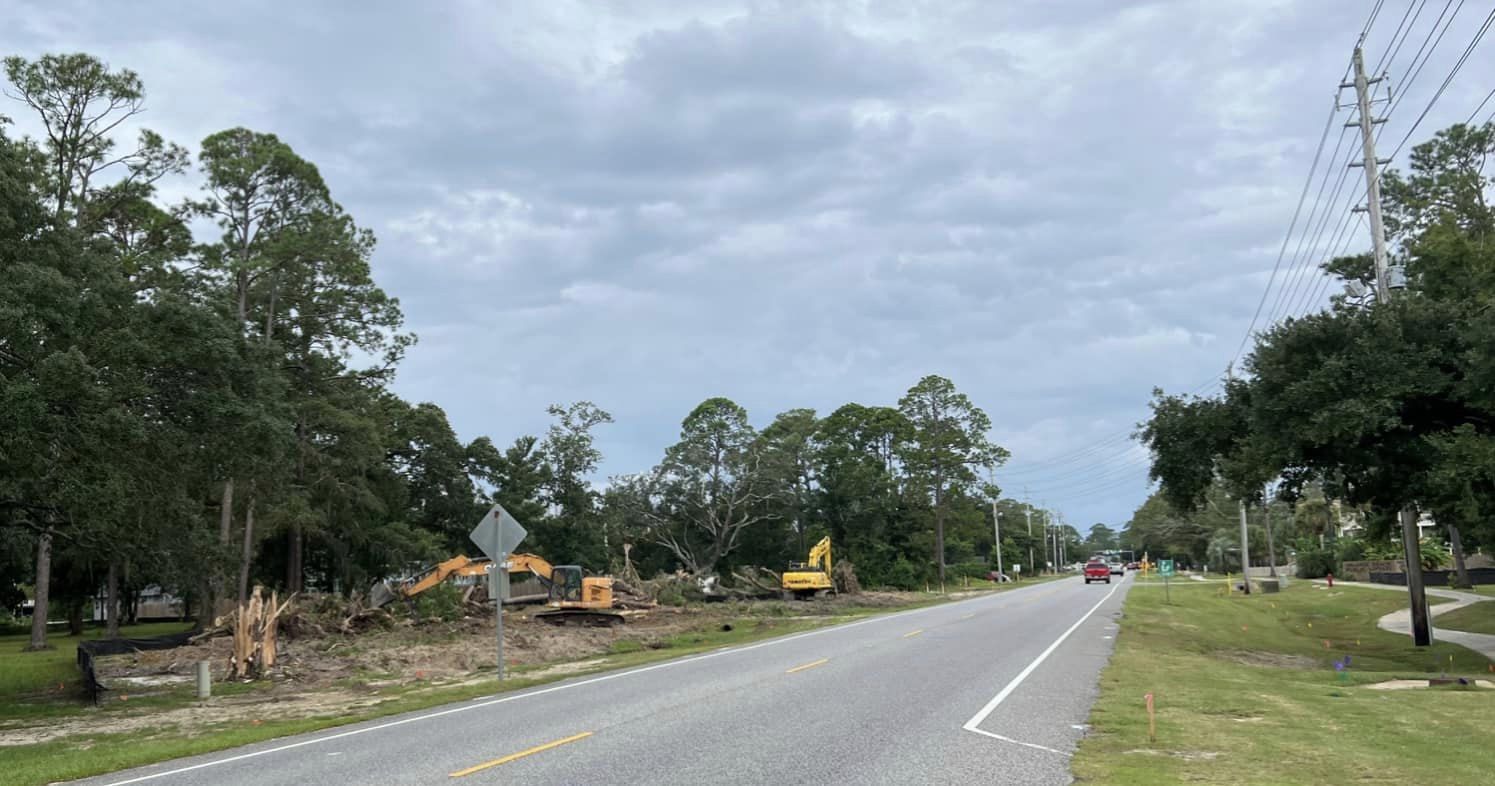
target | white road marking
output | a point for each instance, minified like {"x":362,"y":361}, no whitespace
{"x":555,"y":688}
{"x":1020,"y":742}
{"x":975,"y":722}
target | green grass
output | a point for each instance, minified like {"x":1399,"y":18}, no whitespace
{"x":1246,"y":693}
{"x":26,"y":677}
{"x":57,"y":760}
{"x":1475,"y":618}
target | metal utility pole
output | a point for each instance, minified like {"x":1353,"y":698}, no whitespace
{"x":996,"y":524}
{"x":1245,"y":553}
{"x":1421,"y":631}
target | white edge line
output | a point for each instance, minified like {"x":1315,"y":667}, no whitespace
{"x":568,"y":685}
{"x":1020,"y":742}
{"x":981,"y":715}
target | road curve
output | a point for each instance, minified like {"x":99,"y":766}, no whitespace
{"x":994,"y":688}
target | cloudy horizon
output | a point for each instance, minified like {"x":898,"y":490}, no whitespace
{"x":793,"y":204}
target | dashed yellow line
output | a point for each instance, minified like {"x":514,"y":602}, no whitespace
{"x":913,"y":633}
{"x":810,"y":665}
{"x":527,"y":752}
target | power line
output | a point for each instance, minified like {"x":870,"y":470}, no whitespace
{"x":1046,"y":465}
{"x":1387,"y":61}
{"x":1292,"y":279}
{"x":1324,"y":283}
{"x":1468,"y":50}
{"x":1307,"y":183}
{"x":1488,"y":96}
{"x":1417,"y":66}
{"x":1372,"y":20}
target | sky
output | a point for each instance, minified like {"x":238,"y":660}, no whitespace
{"x":1057,"y":205}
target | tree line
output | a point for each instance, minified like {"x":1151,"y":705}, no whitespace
{"x":1376,"y":406}
{"x":197,"y":395}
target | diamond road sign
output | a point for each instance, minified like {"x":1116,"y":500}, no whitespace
{"x":498,"y":533}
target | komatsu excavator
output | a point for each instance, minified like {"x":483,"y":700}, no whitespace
{"x":574,"y":598}
{"x":807,"y":579}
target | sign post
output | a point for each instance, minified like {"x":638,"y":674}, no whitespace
{"x":1165,"y":569}
{"x":497,"y":534}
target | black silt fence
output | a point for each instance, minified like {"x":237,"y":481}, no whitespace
{"x":89,"y":650}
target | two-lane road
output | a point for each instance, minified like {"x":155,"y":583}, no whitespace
{"x":993,"y":689}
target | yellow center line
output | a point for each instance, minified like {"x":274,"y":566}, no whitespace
{"x":528,"y":752}
{"x":810,"y":665}
{"x":913,"y":633}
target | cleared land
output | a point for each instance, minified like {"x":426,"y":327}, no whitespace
{"x":1247,"y":692}
{"x":327,"y":677}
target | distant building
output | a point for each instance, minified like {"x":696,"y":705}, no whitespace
{"x":152,"y":603}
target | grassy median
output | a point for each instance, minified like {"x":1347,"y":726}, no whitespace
{"x":1246,"y":691}
{"x":1475,"y":618}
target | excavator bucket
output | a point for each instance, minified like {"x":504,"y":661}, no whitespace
{"x":381,"y":594}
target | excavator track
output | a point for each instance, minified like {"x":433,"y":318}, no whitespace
{"x":589,"y":618}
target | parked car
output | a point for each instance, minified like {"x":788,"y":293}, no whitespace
{"x":1096,"y":570}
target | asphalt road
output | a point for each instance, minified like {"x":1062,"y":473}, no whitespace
{"x":993,"y":689}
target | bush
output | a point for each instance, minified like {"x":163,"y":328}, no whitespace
{"x":903,"y":575}
{"x":1316,"y":562}
{"x":443,"y":602}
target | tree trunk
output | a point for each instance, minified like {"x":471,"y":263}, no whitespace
{"x":75,"y":616}
{"x":43,"y":585}
{"x":294,"y":559}
{"x":111,"y":602}
{"x":247,"y":555}
{"x":1457,"y":546}
{"x":212,"y":600}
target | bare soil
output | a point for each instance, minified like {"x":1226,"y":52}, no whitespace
{"x":322,"y":671}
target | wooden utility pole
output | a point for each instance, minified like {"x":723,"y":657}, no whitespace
{"x":1421,"y":631}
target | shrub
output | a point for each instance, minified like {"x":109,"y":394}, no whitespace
{"x":443,"y":602}
{"x":903,"y":575}
{"x":1316,"y":562}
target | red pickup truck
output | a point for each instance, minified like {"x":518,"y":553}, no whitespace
{"x":1095,"y":570}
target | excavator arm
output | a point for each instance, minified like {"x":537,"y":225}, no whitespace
{"x":438,"y":574}
{"x":531,"y":563}
{"x":820,"y":555}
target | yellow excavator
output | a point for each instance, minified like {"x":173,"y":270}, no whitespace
{"x":574,"y":598}
{"x":460,"y":569}
{"x":807,"y":579}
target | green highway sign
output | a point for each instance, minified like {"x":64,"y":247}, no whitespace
{"x":1165,"y":567}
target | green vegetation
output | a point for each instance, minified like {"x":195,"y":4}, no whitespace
{"x":219,"y":411}
{"x":1380,"y":403}
{"x":48,"y":675}
{"x":1475,"y":618}
{"x":1246,"y":692}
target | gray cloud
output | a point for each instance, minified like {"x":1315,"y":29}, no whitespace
{"x":1058,"y":205}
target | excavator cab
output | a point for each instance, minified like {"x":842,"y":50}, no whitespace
{"x":565,"y":584}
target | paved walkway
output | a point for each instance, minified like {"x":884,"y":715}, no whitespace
{"x":1400,"y":621}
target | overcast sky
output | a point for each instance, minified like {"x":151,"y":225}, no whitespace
{"x":1057,"y":204}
